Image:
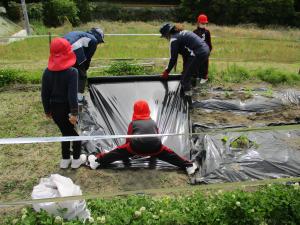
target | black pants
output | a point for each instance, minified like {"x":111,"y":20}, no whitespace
{"x":124,"y":153}
{"x":60,"y":114}
{"x":191,"y":69}
{"x":82,"y":77}
{"x":203,"y":70}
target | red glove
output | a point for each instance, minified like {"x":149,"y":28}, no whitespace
{"x":165,"y":75}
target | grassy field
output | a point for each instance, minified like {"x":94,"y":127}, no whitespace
{"x":240,"y":45}
{"x":21,"y":114}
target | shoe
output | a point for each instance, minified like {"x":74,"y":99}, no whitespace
{"x":80,"y":97}
{"x":192,"y":169}
{"x":93,"y":163}
{"x":64,"y":163}
{"x":76,"y":163}
{"x":203,"y":81}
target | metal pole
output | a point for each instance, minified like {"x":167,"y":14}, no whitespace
{"x":50,"y":38}
{"x":26,"y":20}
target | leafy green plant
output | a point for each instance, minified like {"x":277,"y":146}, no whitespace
{"x":124,"y":68}
{"x":270,"y":204}
{"x":241,"y":142}
{"x":224,"y":139}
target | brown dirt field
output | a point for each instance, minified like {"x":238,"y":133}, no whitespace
{"x":289,"y":114}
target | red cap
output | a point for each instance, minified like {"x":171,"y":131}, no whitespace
{"x":202,"y":18}
{"x":141,"y":110}
{"x":61,"y":55}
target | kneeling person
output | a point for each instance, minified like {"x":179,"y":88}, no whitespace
{"x":150,"y":146}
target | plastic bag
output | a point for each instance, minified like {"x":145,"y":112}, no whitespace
{"x":60,"y":186}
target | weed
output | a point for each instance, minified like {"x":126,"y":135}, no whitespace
{"x":268,"y":93}
{"x":248,"y":94}
{"x":240,"y":142}
{"x":224,"y":139}
{"x":227,"y":94}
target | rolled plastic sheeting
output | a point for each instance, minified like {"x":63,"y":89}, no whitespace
{"x":109,"y":107}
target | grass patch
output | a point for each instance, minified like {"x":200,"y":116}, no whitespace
{"x":272,"y":204}
{"x":233,"y":73}
{"x":125,"y":68}
{"x":238,"y":74}
{"x":274,"y":77}
{"x":276,"y":47}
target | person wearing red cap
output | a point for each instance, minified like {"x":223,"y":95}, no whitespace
{"x":204,"y":34}
{"x":147,"y":146}
{"x":59,"y":97}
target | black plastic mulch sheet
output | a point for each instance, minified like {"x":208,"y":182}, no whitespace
{"x":270,"y":154}
{"x":109,"y":107}
{"x":257,"y":104}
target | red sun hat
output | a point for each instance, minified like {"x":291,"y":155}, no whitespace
{"x":61,"y":55}
{"x":141,"y":110}
{"x":202,"y":18}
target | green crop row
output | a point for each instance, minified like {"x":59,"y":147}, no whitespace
{"x":272,"y":204}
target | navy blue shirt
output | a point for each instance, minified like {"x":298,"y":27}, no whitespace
{"x":60,"y":87}
{"x":186,"y":43}
{"x":84,"y":46}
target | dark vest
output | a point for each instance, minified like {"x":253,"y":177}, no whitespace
{"x":147,"y":145}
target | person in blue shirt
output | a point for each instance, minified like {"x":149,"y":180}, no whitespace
{"x":84,"y":45}
{"x":194,"y":50}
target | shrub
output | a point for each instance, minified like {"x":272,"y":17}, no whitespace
{"x":114,"y":12}
{"x":35,"y":11}
{"x":106,"y":11}
{"x":8,"y":76}
{"x":56,"y":11}
{"x":12,"y":76}
{"x":262,"y":12}
{"x":84,"y":10}
{"x":14,"y":11}
{"x":124,"y":68}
